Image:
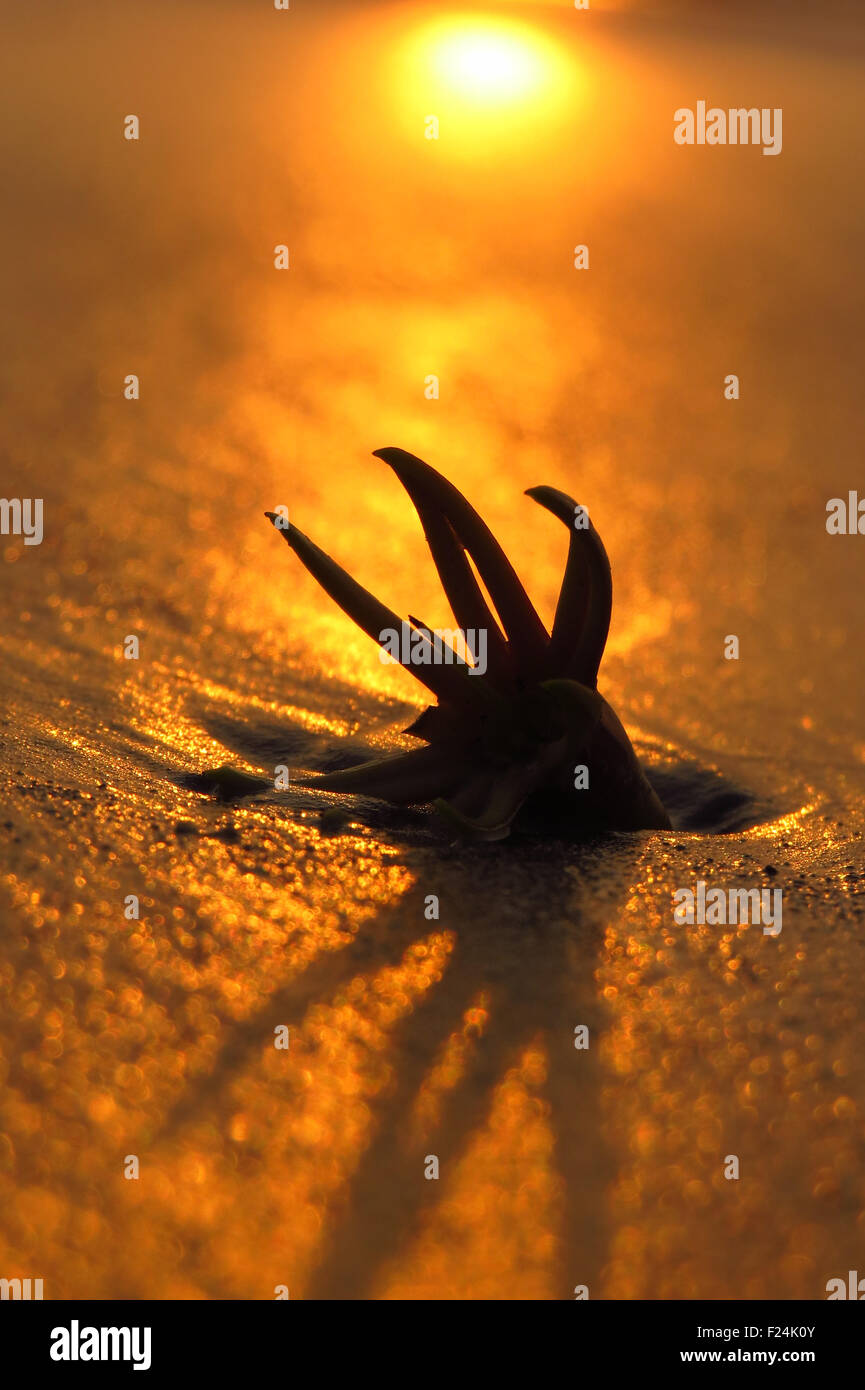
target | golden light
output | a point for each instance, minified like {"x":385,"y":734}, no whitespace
{"x":487,"y":60}
{"x":488,"y":81}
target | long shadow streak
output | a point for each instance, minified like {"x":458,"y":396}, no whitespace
{"x":527,"y":968}
{"x":391,"y":933}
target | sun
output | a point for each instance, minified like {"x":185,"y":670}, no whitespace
{"x":483,"y":77}
{"x":488,"y":60}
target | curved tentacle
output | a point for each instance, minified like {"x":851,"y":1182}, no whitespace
{"x":463,"y":592}
{"x":436,"y":641}
{"x":449,"y":683}
{"x":582,"y":619}
{"x":484,"y":808}
{"x":526,"y":633}
{"x":422,"y":775}
{"x":437,"y":724}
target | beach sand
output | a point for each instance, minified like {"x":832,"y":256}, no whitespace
{"x":411,"y":1036}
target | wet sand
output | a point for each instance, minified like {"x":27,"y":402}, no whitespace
{"x":412,"y":1037}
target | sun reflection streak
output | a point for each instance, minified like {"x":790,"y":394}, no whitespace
{"x":449,"y":1069}
{"x":503,"y":1197}
{"x":307,"y":1113}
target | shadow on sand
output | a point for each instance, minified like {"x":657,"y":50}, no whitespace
{"x":535,"y":968}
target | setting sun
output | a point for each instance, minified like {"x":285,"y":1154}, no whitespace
{"x":489,"y":60}
{"x":486,"y":80}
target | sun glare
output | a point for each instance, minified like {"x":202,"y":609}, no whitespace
{"x":483,"y":78}
{"x":489,"y":61}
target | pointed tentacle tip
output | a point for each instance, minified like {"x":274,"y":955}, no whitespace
{"x":494,"y":739}
{"x":275,"y":520}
